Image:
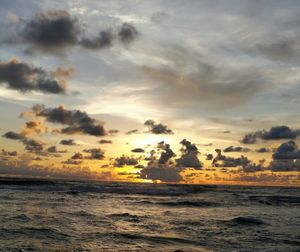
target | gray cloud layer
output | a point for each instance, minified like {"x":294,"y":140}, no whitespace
{"x":78,"y":122}
{"x":25,"y":77}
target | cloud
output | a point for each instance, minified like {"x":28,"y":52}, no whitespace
{"x":77,"y":155}
{"x":252,"y":167}
{"x":166,"y":154}
{"x":280,"y":49}
{"x":95,"y":153}
{"x":78,"y":122}
{"x":195,"y":82}
{"x":288,"y":150}
{"x":249,"y":138}
{"x":31,"y":145}
{"x":280,"y":132}
{"x":127,"y":33}
{"x":157,"y":128}
{"x":68,"y":142}
{"x":165,"y":174}
{"x":55,"y":30}
{"x":72,"y":162}
{"x":285,"y":165}
{"x":9,"y":153}
{"x":53,"y":150}
{"x":236,"y":149}
{"x":275,"y":133}
{"x":24,"y":77}
{"x":138,"y":150}
{"x":134,"y":131}
{"x":104,"y":141}
{"x":262,"y":150}
{"x":12,"y":17}
{"x":34,"y":127}
{"x":225,"y":161}
{"x":159,"y":17}
{"x":189,"y":155}
{"x":52,"y":29}
{"x":104,"y":39}
{"x":164,"y":168}
{"x":209,"y":156}
{"x":125,"y":160}
{"x":13,"y":135}
{"x":24,"y":168}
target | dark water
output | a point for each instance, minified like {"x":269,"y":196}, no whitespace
{"x":85,"y":216}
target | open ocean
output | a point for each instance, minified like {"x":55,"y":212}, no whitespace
{"x":53,"y":215}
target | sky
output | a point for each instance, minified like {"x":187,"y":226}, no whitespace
{"x":151,"y":91}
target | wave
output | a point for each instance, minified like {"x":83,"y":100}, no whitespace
{"x":37,"y":232}
{"x":277,"y":200}
{"x":179,"y":203}
{"x":247,"y":220}
{"x":156,"y":239}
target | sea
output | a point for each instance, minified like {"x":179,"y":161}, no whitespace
{"x":59,"y":215}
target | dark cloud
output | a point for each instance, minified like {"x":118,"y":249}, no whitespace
{"x":285,"y":158}
{"x":127,"y":33}
{"x":236,"y":149}
{"x":24,"y":77}
{"x":52,"y":29}
{"x":104,"y":39}
{"x":104,"y":141}
{"x":275,"y":133}
{"x":68,"y":142}
{"x":77,"y":155}
{"x":13,"y":135}
{"x":31,"y":145}
{"x":72,"y":162}
{"x":288,"y":150}
{"x":95,"y":153}
{"x":9,"y":153}
{"x":55,"y":30}
{"x":166,"y":154}
{"x":285,"y":165}
{"x":249,"y":138}
{"x":252,"y":167}
{"x":189,"y":155}
{"x":157,"y":128}
{"x":52,"y":149}
{"x":138,"y":150}
{"x":161,"y":173}
{"x":225,"y":161}
{"x":280,"y":132}
{"x":78,"y":122}
{"x":164,"y":168}
{"x":125,"y":160}
{"x":132,"y":131}
{"x":262,"y":150}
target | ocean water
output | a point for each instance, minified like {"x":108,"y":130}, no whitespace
{"x":49,"y":215}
